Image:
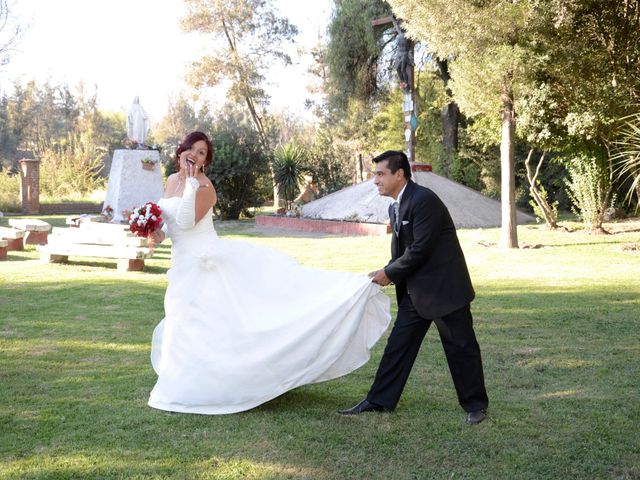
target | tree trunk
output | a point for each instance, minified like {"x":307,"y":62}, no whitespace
{"x":252,"y":109}
{"x":509,"y":232}
{"x":257,"y":121}
{"x":606,"y":183}
{"x":450,"y":118}
{"x":450,"y":115}
{"x":359,"y":170}
{"x":547,"y":212}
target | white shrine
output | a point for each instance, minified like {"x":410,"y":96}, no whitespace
{"x":135,"y":178}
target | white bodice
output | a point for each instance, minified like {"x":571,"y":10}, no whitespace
{"x":169,"y":208}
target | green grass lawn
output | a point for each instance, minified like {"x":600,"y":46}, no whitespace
{"x":558,"y":326}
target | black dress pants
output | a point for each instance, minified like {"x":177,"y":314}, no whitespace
{"x":460,"y":346}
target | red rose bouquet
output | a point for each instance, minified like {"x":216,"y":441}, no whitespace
{"x":145,"y":220}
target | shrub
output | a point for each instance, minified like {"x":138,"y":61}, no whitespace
{"x":70,"y":168}
{"x":330,"y":164}
{"x":239,"y":171}
{"x":9,"y":192}
{"x":589,"y":188}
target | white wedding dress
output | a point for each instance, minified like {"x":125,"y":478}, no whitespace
{"x":244,"y":323}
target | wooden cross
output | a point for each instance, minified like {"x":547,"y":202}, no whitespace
{"x":408,"y":98}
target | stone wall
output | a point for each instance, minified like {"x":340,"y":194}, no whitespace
{"x":69,"y":208}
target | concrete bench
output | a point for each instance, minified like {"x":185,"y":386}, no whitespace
{"x":99,"y":240}
{"x":3,"y":249}
{"x":14,"y":238}
{"x":36,"y":231}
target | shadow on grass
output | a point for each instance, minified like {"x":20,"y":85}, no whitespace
{"x":12,"y":257}
{"x":580,"y":244}
{"x":160,"y":255}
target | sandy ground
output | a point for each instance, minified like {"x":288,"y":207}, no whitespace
{"x":361,"y":202}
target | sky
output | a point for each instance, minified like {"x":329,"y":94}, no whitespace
{"x":131,"y":48}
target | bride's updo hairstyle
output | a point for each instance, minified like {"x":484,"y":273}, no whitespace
{"x":187,"y":143}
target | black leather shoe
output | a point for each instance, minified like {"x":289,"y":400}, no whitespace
{"x":364,"y":406}
{"x":474,"y":418}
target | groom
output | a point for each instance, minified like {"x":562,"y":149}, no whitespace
{"x":432,"y":285}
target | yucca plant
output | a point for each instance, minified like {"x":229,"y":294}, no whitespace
{"x":289,"y":169}
{"x":627,"y":157}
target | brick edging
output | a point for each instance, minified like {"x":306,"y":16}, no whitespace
{"x":69,"y":208}
{"x":326,"y":226}
{"x":421,"y":167}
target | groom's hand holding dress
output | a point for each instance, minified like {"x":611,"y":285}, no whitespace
{"x":380,"y":277}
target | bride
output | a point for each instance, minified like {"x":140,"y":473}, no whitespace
{"x":243,"y":323}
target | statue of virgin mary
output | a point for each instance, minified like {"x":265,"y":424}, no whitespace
{"x":137,"y":123}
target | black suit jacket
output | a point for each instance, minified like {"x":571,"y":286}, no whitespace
{"x":426,"y":259}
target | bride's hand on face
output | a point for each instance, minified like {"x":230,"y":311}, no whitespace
{"x":188,"y":165}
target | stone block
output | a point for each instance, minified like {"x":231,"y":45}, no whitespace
{"x":131,"y":184}
{"x":36,"y":230}
{"x":14,"y":238}
{"x":128,"y":265}
{"x":30,"y":224}
{"x":36,"y":238}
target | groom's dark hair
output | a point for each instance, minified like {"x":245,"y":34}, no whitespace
{"x":395,"y":160}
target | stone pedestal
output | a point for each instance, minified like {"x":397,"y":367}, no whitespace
{"x":13,"y":237}
{"x":128,"y":265}
{"x":135,"y":178}
{"x":30,"y":185}
{"x":36,"y":231}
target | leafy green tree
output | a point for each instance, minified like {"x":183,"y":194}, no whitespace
{"x":42,"y":115}
{"x":240,"y":168}
{"x":328,"y":160}
{"x":353,"y":52}
{"x":10,"y":32}
{"x":593,"y":73}
{"x":491,"y":44}
{"x":591,"y":81}
{"x":8,"y":141}
{"x":21,"y":108}
{"x":62,"y":128}
{"x":70,"y":168}
{"x":106,"y":129}
{"x":180,"y":119}
{"x":385,"y":130}
{"x":247,"y":36}
{"x":319,"y":86}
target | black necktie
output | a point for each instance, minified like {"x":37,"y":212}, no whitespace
{"x":396,"y":214}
